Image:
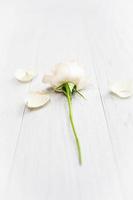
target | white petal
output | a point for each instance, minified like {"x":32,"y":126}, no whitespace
{"x":25,"y":75}
{"x":37,"y":99}
{"x":123,"y":89}
{"x":48,"y":78}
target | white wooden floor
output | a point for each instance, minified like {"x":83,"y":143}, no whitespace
{"x":38,"y":158}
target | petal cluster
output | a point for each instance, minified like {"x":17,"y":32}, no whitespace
{"x":70,"y":72}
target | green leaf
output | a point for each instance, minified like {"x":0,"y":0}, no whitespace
{"x":80,"y":94}
{"x":71,"y":87}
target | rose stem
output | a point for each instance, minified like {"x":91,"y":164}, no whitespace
{"x":69,"y":99}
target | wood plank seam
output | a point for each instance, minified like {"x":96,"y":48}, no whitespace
{"x":15,"y":148}
{"x":109,"y":132}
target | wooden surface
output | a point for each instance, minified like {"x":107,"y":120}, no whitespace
{"x":37,"y":152}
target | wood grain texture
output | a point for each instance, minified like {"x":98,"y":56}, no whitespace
{"x":112,"y":59}
{"x":38,"y":157}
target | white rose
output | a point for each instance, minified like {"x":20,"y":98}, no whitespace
{"x":70,"y":72}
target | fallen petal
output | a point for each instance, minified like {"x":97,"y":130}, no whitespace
{"x":25,"y":75}
{"x":123,"y":89}
{"x":37,"y":99}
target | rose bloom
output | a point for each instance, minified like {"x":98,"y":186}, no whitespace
{"x":70,"y":72}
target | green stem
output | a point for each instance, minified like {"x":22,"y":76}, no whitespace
{"x":69,"y":99}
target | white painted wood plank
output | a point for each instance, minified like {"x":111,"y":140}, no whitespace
{"x":45,"y":163}
{"x":111,"y":48}
{"x":18,"y":49}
